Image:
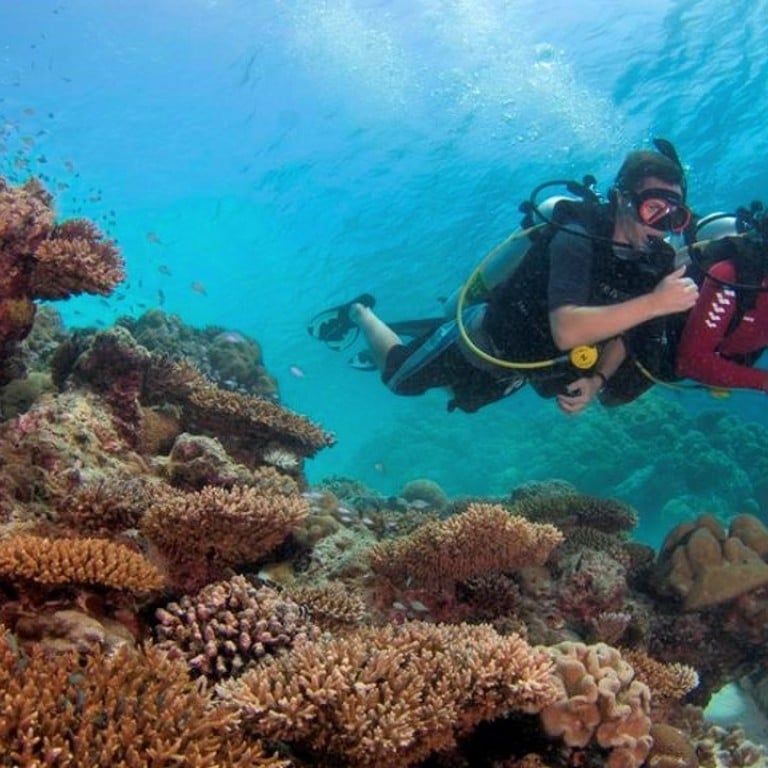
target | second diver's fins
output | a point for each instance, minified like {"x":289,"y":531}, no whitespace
{"x":334,"y":327}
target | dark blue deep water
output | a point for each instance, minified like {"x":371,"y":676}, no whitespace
{"x":258,"y":160}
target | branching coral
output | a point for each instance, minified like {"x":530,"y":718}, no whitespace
{"x":600,"y":702}
{"x":114,"y":504}
{"x":484,"y":539}
{"x":230,"y":527}
{"x":77,"y":561}
{"x":331,"y":605}
{"x":391,"y":696}
{"x":566,"y":510}
{"x":668,"y":683}
{"x":230,"y":624}
{"x":41,"y":260}
{"x":235,"y":418}
{"x":133,"y":709}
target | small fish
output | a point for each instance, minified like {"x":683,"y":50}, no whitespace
{"x":29,"y":111}
{"x":198,"y":287}
{"x":164,"y":270}
{"x":69,"y":165}
{"x":160,"y":297}
{"x":296,"y":371}
{"x":153,"y":237}
{"x":379,"y":466}
{"x":233,"y":337}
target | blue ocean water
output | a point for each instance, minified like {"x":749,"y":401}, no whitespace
{"x":258,"y":161}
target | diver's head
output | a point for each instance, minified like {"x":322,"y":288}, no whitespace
{"x":649,"y":200}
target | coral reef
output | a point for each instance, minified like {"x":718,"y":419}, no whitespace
{"x":600,"y":703}
{"x":130,"y":709}
{"x":705,"y":566}
{"x":392,"y":695}
{"x":77,"y":561}
{"x":484,"y":539}
{"x":40,"y":259}
{"x":228,"y":625}
{"x":232,"y":526}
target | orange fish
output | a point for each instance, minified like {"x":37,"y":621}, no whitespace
{"x":198,"y":287}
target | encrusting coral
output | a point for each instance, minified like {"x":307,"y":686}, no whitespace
{"x":133,"y":709}
{"x":77,"y":561}
{"x":391,"y":695}
{"x":231,"y":526}
{"x":484,"y":539}
{"x":229,"y":625}
{"x":600,"y":703}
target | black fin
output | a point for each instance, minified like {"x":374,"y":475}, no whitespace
{"x":333,"y":326}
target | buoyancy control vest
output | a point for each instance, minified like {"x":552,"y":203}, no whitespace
{"x":517,"y":317}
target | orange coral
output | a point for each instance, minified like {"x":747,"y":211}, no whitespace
{"x":77,"y":561}
{"x":600,"y":702}
{"x":393,"y":695}
{"x":136,"y":709}
{"x":201,"y":533}
{"x":484,"y":539}
{"x":668,"y":683}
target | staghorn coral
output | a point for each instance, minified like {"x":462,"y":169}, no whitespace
{"x":132,"y":709}
{"x":669,"y":683}
{"x":484,"y":539}
{"x":231,"y":526}
{"x":600,"y":703}
{"x":393,"y":695}
{"x":229,"y":625}
{"x":105,"y":508}
{"x":77,"y":561}
{"x":704,"y":566}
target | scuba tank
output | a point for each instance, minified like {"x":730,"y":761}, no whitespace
{"x":713,"y":226}
{"x":504,"y":259}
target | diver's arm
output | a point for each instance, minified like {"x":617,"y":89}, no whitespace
{"x":573,"y":325}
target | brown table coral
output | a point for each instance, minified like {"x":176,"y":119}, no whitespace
{"x":40,"y":259}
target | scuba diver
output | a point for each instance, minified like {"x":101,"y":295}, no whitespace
{"x":554,"y":303}
{"x":727,"y":330}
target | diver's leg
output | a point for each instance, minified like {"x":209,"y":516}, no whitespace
{"x":380,"y":337}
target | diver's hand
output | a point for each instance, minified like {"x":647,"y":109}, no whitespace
{"x":675,"y":293}
{"x":579,"y":394}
